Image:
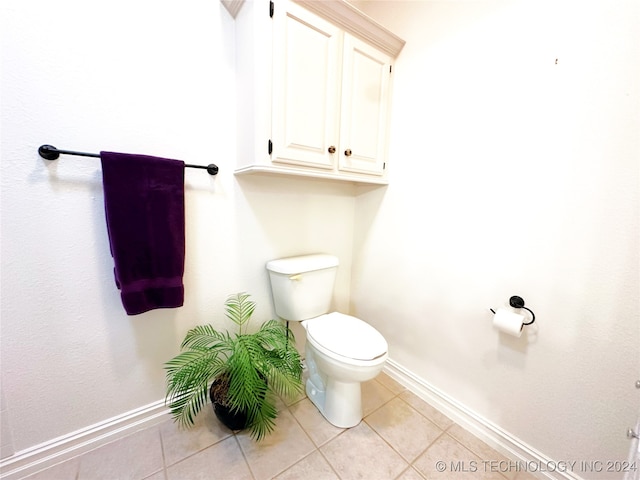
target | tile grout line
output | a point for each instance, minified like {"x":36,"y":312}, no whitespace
{"x":244,"y":456}
{"x":316,"y":447}
{"x":409,"y":464}
{"x":442,"y":430}
{"x":164,"y":461}
{"x":410,"y":467}
{"x":182,"y":459}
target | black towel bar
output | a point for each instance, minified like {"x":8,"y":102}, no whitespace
{"x":49,"y":152}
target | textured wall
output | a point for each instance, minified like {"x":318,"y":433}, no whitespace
{"x":142,"y":77}
{"x":512,"y":174}
{"x":486,"y":127}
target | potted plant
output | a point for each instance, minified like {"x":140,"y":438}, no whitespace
{"x":241,"y":372}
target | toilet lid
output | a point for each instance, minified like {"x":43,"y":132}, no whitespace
{"x":347,"y":336}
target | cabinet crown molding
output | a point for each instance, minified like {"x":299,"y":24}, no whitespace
{"x":347,"y":17}
{"x":352,"y":20}
{"x":232,"y":6}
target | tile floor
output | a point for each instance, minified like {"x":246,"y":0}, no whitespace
{"x":401,"y":437}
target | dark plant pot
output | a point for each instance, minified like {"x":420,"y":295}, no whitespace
{"x":233,"y":420}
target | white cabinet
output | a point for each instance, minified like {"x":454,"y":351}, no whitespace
{"x":366,"y":82}
{"x":306,"y":88}
{"x":314,"y":91}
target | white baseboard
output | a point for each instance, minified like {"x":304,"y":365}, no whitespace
{"x":497,"y":438}
{"x":39,"y":457}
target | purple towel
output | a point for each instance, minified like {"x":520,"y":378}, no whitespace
{"x":144,"y":206}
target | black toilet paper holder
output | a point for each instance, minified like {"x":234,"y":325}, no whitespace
{"x":518,"y":302}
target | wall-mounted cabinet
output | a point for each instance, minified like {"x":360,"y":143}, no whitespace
{"x":314,"y":90}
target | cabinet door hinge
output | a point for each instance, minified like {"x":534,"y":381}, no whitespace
{"x":270,"y":148}
{"x":271,"y":8}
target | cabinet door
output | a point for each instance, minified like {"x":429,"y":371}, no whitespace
{"x":307,"y":60}
{"x":365,"y":107}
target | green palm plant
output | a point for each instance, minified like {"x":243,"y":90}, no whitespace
{"x":245,"y":370}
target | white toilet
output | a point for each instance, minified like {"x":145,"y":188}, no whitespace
{"x":341,"y":351}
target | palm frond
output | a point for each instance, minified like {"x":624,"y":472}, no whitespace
{"x":188,"y":377}
{"x":284,"y":372}
{"x":264,"y":420}
{"x":247,"y":387}
{"x":185,"y":406}
{"x":238,"y":309}
{"x":206,"y":336}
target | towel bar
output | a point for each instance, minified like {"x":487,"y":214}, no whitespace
{"x":49,"y":152}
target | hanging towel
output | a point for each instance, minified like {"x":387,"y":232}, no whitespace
{"x":144,"y":207}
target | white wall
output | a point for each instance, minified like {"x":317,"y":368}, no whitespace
{"x":143,"y":77}
{"x":512,"y":174}
{"x":509,"y":175}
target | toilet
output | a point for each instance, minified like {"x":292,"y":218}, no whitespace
{"x":341,"y":350}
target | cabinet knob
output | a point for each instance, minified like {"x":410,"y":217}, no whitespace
{"x":348,"y":152}
{"x":332,"y":149}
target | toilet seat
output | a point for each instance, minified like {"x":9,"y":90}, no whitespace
{"x":343,"y":336}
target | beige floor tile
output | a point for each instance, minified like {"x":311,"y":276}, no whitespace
{"x":447,"y":459}
{"x":179,"y":442}
{"x":279,"y":450}
{"x":407,"y":431}
{"x":509,"y":469}
{"x":313,"y":467}
{"x":427,"y":410}
{"x":374,"y":395}
{"x":398,"y":428}
{"x":410,"y":474}
{"x":313,"y":422}
{"x":390,"y":383}
{"x":134,"y":457}
{"x":223,"y":460}
{"x":63,"y":471}
{"x":483,"y":450}
{"x":524,"y":476}
{"x":359,"y":453}
{"x":157,"y":476}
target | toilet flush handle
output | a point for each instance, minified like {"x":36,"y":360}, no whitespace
{"x":295,"y":278}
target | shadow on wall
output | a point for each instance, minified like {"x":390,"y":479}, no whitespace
{"x":280,"y":217}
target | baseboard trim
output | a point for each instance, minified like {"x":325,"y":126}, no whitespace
{"x":47,"y":454}
{"x":39,"y":457}
{"x":499,"y":439}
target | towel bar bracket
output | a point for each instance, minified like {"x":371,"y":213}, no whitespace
{"x":212,"y":169}
{"x":48,"y":154}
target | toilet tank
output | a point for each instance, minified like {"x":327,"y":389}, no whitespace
{"x":302,"y":286}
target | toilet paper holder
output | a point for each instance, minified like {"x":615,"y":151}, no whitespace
{"x":518,"y":302}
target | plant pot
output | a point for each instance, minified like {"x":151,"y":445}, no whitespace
{"x":233,"y":420}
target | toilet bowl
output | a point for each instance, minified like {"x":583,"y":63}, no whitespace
{"x":341,"y":350}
